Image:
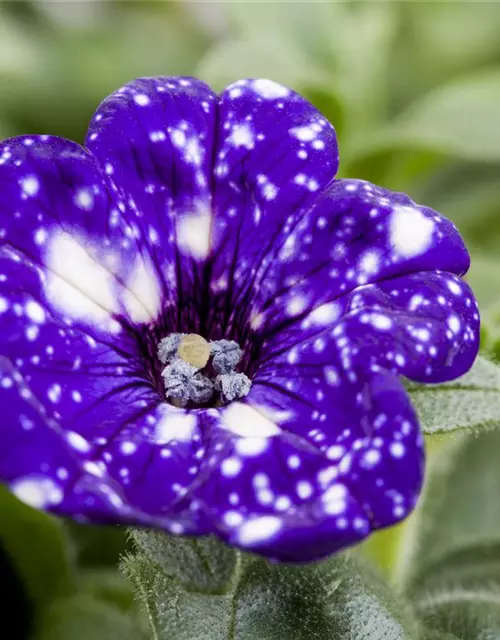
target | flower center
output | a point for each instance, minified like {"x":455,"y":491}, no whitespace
{"x":192,"y":379}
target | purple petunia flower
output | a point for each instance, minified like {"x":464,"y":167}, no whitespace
{"x":280,"y":424}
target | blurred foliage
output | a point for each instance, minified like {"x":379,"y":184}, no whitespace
{"x":413,"y":89}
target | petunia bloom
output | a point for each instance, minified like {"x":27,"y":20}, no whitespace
{"x":219,"y":217}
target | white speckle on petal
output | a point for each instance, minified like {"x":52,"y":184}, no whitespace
{"x":141,"y":99}
{"x":193,"y":233}
{"x":76,"y":283}
{"x":30,"y":185}
{"x":37,"y":491}
{"x":54,"y":393}
{"x":231,"y":467}
{"x":84,"y":199}
{"x":410,"y":231}
{"x":142,"y":296}
{"x":175,"y":425}
{"x":251,"y":446}
{"x":244,"y":420}
{"x":269,"y":89}
{"x":325,"y":314}
{"x":127,"y":447}
{"x":454,"y":324}
{"x":78,"y":442}
{"x":242,"y":136}
{"x":303,"y":133}
{"x":35,"y":312}
{"x":258,"y":530}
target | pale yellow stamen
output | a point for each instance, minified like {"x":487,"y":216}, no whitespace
{"x":194,"y":350}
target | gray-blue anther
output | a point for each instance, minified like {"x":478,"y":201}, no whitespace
{"x":183,"y":384}
{"x":233,"y":385}
{"x":225,"y":355}
{"x":167,"y":349}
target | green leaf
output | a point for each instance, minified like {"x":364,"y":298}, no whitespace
{"x":470,"y":402}
{"x":432,"y":634}
{"x":450,"y":558}
{"x":339,"y":598}
{"x":454,"y":537}
{"x":203,"y":565}
{"x":107,"y":585}
{"x":311,"y":29}
{"x":459,"y":119}
{"x":174,"y":613}
{"x":97,"y":546}
{"x":266,"y":56}
{"x":468,"y":615}
{"x":85,"y":618}
{"x":484,"y":278}
{"x":38,"y":549}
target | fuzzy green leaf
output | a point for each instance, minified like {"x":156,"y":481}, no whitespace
{"x":468,"y":615}
{"x":339,"y":598}
{"x":173,"y":612}
{"x":203,"y":565}
{"x":471,"y":402}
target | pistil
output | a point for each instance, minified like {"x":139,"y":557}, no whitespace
{"x":186,"y":355}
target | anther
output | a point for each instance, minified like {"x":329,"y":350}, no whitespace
{"x":226,"y":355}
{"x":183,"y":384}
{"x":232,"y":385}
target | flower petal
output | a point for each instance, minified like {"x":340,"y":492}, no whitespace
{"x":75,"y":374}
{"x":154,"y":137}
{"x":274,"y":154}
{"x":84,"y":432}
{"x":354,"y":236}
{"x":59,"y":216}
{"x":296,"y":484}
{"x":423,"y":325}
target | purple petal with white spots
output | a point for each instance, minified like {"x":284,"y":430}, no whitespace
{"x":274,"y":153}
{"x":220,"y":216}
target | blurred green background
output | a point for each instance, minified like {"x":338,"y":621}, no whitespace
{"x":413,"y":89}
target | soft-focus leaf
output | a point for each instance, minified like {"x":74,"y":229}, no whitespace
{"x":458,"y":119}
{"x":203,"y":565}
{"x":312,"y":28}
{"x":18,"y":52}
{"x":457,"y":525}
{"x":76,"y":68}
{"x":85,"y":618}
{"x":432,"y":634}
{"x":16,"y":612}
{"x":484,"y":278}
{"x":471,"y":402}
{"x":450,"y":559}
{"x":468,"y":194}
{"x":339,"y":598}
{"x":268,"y":57}
{"x":469,"y":615}
{"x":107,"y":585}
{"x":38,"y":550}
{"x":380,"y":548}
{"x":97,"y":546}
